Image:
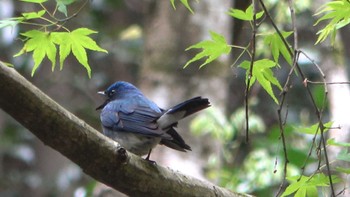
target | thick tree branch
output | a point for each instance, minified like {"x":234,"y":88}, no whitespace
{"x":98,"y":156}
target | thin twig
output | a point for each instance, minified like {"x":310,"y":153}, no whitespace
{"x":275,"y":27}
{"x":295,"y":29}
{"x":47,"y":11}
{"x":285,"y":90}
{"x":314,"y":63}
{"x":327,"y":161}
{"x":250,"y":74}
{"x":321,"y":125}
{"x":244,"y":50}
{"x":296,"y":50}
{"x":297,"y":67}
{"x":283,"y":122}
{"x":75,"y":14}
{"x":319,"y":113}
{"x":327,"y":83}
{"x":59,"y":23}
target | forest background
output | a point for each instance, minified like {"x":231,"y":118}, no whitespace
{"x":302,"y":93}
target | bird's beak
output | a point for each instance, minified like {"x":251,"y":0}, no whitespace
{"x":105,"y":103}
{"x":102,"y":93}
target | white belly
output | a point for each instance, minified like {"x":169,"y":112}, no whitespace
{"x":135,"y":143}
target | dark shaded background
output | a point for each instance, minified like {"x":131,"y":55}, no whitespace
{"x":146,"y":41}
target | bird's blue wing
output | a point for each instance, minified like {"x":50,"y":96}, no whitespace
{"x":134,"y":115}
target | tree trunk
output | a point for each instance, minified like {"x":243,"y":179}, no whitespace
{"x":97,"y":155}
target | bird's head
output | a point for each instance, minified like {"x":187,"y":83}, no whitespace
{"x":117,"y":90}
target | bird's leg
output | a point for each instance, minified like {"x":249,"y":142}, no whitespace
{"x":149,"y":154}
{"x":147,"y":158}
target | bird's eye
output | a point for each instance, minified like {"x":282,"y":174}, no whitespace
{"x":111,"y":93}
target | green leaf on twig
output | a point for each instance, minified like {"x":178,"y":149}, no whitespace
{"x":33,"y":15}
{"x":62,"y":5}
{"x":278,"y":47}
{"x":338,"y":12}
{"x":247,"y":15}
{"x":43,"y":44}
{"x":34,"y":1}
{"x":307,"y":186}
{"x":263,"y":74}
{"x":184,"y":2}
{"x":76,"y":42}
{"x":314,"y":128}
{"x":211,"y":49}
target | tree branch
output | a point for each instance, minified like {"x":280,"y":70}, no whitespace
{"x":97,"y":155}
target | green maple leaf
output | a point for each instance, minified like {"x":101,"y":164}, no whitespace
{"x":12,"y":22}
{"x":42,"y":45}
{"x":313,"y":129}
{"x":263,"y":74}
{"x":247,"y":15}
{"x":34,"y":1}
{"x":307,"y":185}
{"x":184,"y":2}
{"x":62,"y":5}
{"x":344,"y":155}
{"x":343,"y":170}
{"x":278,"y":47}
{"x":76,"y":42}
{"x":334,"y":143}
{"x":33,"y":15}
{"x":338,"y":14}
{"x":25,"y":16}
{"x":212,"y":49}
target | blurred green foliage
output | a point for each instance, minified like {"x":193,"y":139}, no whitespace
{"x":256,"y":167}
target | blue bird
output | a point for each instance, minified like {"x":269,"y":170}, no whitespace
{"x":138,"y":124}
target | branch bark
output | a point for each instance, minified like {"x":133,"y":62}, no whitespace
{"x":97,"y":155}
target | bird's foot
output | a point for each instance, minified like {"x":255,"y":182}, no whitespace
{"x":148,"y":156}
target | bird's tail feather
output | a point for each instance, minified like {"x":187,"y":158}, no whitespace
{"x":182,"y":110}
{"x":190,"y":106}
{"x":176,"y":142}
